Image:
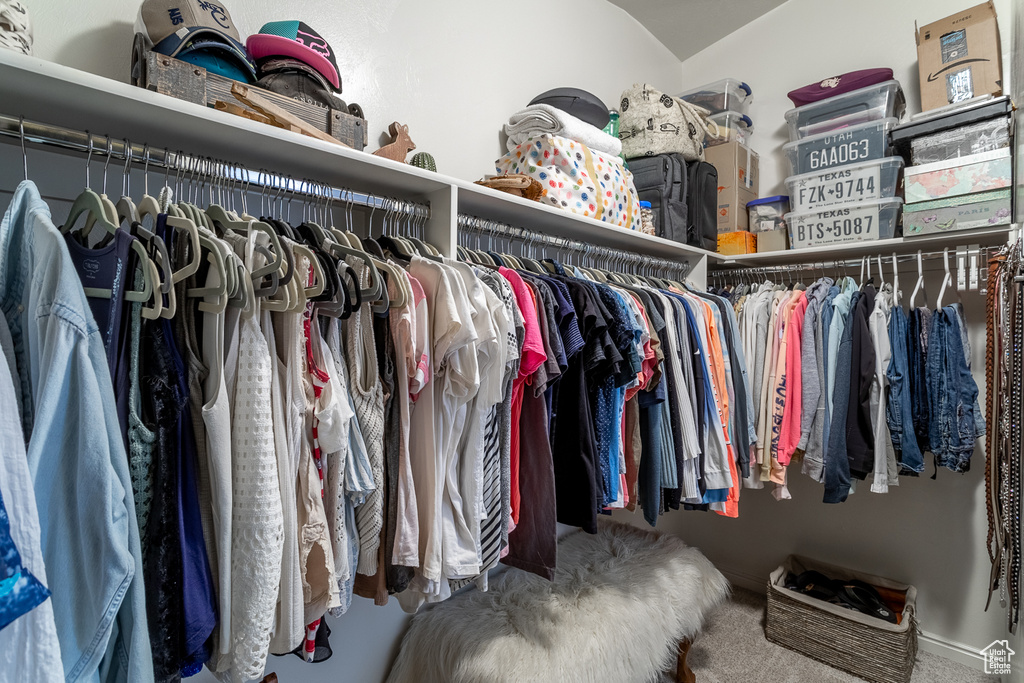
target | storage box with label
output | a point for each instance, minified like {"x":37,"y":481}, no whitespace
{"x":966,"y":175}
{"x":864,"y":182}
{"x":862,"y":142}
{"x":768,"y":213}
{"x":737,"y":243}
{"x":737,"y":167}
{"x":847,"y":223}
{"x":966,"y":212}
{"x":956,"y":130}
{"x":959,"y":57}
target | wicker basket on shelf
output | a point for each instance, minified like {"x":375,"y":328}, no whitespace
{"x":856,"y":643}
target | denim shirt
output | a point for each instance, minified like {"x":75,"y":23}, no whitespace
{"x":76,"y":457}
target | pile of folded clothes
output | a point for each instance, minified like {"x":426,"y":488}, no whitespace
{"x":558,"y":141}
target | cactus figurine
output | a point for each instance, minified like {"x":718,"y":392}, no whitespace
{"x":423,"y":160}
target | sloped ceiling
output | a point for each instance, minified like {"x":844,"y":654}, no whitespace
{"x":688,"y":26}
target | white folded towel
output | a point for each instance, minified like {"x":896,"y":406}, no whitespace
{"x":543,"y":119}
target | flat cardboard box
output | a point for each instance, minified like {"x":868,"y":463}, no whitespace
{"x":773,"y":240}
{"x":738,"y":176}
{"x":737,"y":243}
{"x":959,"y":57}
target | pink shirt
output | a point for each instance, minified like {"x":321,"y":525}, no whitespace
{"x":792,"y":411}
{"x":533,"y":356}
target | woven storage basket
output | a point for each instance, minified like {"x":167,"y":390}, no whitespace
{"x":845,"y":639}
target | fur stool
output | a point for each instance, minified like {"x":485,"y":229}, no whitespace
{"x":623,"y":608}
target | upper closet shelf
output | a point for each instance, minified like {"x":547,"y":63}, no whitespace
{"x":851,"y":250}
{"x":60,"y":95}
{"x":483,"y":202}
{"x":63,"y":96}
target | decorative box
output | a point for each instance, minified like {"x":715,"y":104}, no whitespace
{"x":966,"y":175}
{"x":966,"y":212}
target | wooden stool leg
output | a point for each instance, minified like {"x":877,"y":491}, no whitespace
{"x":683,"y":672}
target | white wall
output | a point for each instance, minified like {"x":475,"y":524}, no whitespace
{"x":804,"y":41}
{"x":453,"y":70}
{"x":928,"y":533}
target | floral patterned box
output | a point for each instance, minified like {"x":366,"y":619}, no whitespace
{"x":967,"y":175}
{"x":966,"y":212}
{"x":577,"y":179}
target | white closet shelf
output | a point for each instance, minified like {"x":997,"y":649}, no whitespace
{"x":60,"y":95}
{"x":898,"y":245}
{"x":484,"y":202}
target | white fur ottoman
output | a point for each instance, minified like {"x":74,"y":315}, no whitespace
{"x":621,"y":604}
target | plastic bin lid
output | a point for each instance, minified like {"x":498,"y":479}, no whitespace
{"x":742,"y":119}
{"x":887,"y":203}
{"x":720,"y":85}
{"x":645,"y":205}
{"x":769,"y":200}
{"x":881,"y":124}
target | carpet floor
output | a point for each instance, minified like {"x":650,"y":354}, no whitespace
{"x":732,"y":649}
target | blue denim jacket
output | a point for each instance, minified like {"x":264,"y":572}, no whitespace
{"x":76,"y":457}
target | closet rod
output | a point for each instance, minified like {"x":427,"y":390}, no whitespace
{"x":20,"y":130}
{"x":530,"y":237}
{"x":727,"y":273}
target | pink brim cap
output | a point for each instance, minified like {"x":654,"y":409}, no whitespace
{"x":260,"y":45}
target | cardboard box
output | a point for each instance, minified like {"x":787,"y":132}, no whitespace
{"x":773,"y":240}
{"x":737,"y":243}
{"x":966,"y":212}
{"x":959,"y":57}
{"x":738,"y":175}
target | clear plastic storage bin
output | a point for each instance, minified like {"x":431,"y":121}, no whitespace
{"x":728,"y":94}
{"x":862,"y":182}
{"x":851,"y":145}
{"x":768,"y":214}
{"x":861,"y":222}
{"x":732,"y":125}
{"x":875,"y":102}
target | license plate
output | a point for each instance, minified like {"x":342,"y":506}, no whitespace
{"x":842,"y":186}
{"x":833,"y":226}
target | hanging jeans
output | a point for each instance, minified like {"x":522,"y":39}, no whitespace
{"x":899,"y":412}
{"x":917,"y":355}
{"x":952,"y":394}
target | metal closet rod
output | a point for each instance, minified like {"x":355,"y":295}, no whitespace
{"x":34,"y":132}
{"x":530,"y":237}
{"x":727,"y":273}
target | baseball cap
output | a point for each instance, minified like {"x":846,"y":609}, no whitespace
{"x":196,"y":31}
{"x":297,"y":40}
{"x":295,"y":79}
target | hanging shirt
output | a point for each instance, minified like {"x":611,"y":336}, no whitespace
{"x":29,"y":649}
{"x":532,"y":357}
{"x":75,"y":451}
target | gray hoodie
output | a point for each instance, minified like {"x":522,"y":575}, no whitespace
{"x":812,"y":423}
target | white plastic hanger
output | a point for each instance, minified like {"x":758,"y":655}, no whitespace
{"x":895,"y":282}
{"x":919,"y":287}
{"x":946,"y":280}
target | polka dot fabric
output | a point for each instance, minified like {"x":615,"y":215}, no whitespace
{"x":577,"y":179}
